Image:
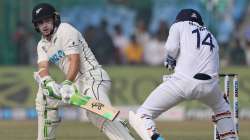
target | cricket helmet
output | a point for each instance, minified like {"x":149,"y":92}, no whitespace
{"x":43,"y":11}
{"x":189,"y":15}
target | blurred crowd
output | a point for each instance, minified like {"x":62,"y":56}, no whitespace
{"x":115,"y":47}
{"x":237,"y":50}
{"x":112,"y":46}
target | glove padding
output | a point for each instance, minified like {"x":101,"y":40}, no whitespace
{"x":170,"y":63}
{"x":50,"y":87}
{"x":67,"y":90}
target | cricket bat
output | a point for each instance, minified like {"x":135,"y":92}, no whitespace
{"x":95,"y":106}
{"x":86,"y":102}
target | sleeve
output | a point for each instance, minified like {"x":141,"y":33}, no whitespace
{"x":41,"y":54}
{"x":172,"y":45}
{"x":72,"y":43}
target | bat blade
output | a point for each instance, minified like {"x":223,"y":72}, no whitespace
{"x":95,"y":106}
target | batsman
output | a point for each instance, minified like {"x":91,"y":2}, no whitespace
{"x":61,"y":44}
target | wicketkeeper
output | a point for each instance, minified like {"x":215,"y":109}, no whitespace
{"x":193,"y":53}
{"x":64,"y":46}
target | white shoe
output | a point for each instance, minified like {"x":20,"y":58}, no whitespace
{"x":139,"y":126}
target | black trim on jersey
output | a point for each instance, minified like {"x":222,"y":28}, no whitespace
{"x":101,"y":75}
{"x":81,"y":73}
{"x":99,"y":83}
{"x":98,"y":89}
{"x":92,"y":86}
{"x":87,"y":58}
{"x":93,"y":91}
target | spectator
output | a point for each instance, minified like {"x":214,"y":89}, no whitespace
{"x":247,"y":52}
{"x":162,"y":32}
{"x":31,"y":48}
{"x":246,"y":42}
{"x":237,"y":54}
{"x":103,"y":46}
{"x":154,"y":52}
{"x":89,"y":35}
{"x":141,"y":33}
{"x":134,"y":51}
{"x":20,"y":38}
{"x":120,"y":42}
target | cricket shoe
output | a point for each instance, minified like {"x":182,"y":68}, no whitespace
{"x":139,"y":125}
{"x":157,"y":136}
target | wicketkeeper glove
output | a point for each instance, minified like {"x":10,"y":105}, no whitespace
{"x":50,"y":87}
{"x":170,"y":63}
{"x":67,"y":90}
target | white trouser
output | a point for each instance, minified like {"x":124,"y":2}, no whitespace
{"x":178,"y":88}
{"x":96,"y":84}
{"x":98,"y":89}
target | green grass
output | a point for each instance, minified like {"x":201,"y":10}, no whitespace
{"x":68,"y":130}
{"x":131,"y":84}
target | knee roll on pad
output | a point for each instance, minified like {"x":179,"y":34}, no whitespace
{"x":230,"y":135}
{"x":225,"y":125}
{"x":220,"y":116}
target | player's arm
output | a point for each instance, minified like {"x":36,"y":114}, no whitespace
{"x":43,"y":63}
{"x":72,"y":48}
{"x":68,"y":89}
{"x":172,"y":47}
{"x":49,"y":86}
{"x":43,"y":69}
{"x":74,"y":65}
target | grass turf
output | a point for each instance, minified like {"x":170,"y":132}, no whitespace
{"x":75,"y":130}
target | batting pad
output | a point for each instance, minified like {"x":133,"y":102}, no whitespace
{"x":116,"y":131}
{"x":139,"y":125}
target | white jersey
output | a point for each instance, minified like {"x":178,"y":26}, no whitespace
{"x":194,"y":47}
{"x":65,"y":41}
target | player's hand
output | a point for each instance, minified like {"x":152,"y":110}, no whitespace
{"x":170,"y":63}
{"x":67,"y":90}
{"x":50,"y":87}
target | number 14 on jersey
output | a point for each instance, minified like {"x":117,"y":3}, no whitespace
{"x":207,"y":41}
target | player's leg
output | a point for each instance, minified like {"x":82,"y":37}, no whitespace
{"x":48,"y":119}
{"x":113,"y":130}
{"x":165,"y":96}
{"x":221,"y":108}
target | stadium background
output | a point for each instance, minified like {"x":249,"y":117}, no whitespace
{"x":133,"y":79}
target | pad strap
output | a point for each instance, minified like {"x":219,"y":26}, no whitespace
{"x":220,"y":116}
{"x":225,"y":135}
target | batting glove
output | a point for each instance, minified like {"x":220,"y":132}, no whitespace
{"x":50,"y":87}
{"x":67,"y":90}
{"x":170,"y":63}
